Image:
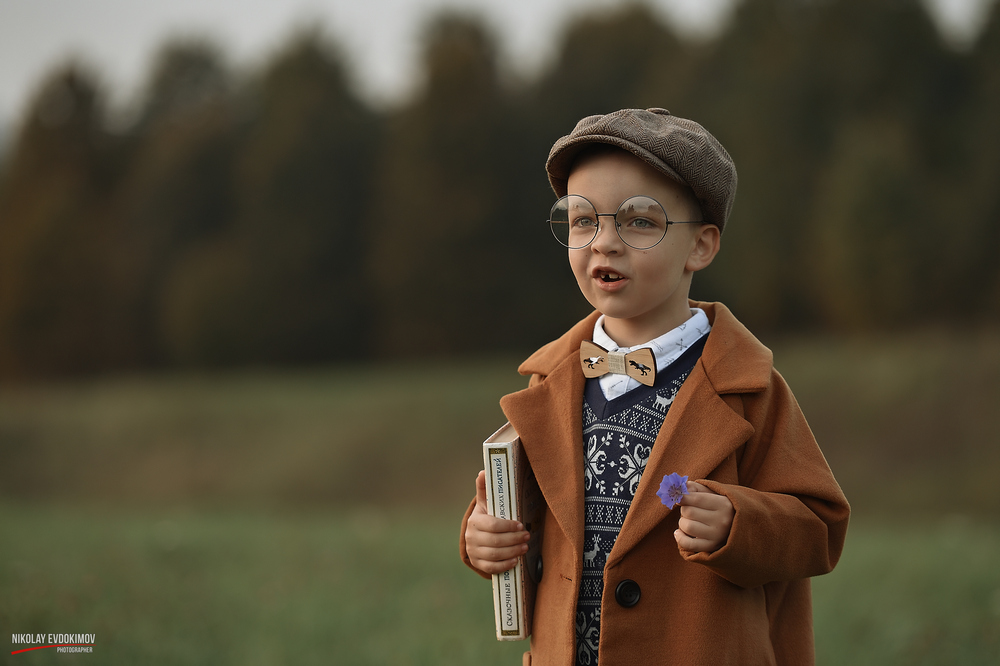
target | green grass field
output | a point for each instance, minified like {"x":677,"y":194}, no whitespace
{"x":385,"y":587}
{"x":361,"y":587}
{"x":312,"y":517}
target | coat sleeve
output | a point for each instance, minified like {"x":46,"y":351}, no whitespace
{"x":791,"y":515}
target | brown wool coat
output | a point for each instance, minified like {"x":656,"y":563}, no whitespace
{"x":734,"y":426}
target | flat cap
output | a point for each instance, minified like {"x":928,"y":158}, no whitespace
{"x":681,"y":149}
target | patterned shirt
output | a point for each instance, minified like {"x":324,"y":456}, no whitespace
{"x":618,"y":436}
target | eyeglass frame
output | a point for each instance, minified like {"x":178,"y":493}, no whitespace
{"x":618,"y":225}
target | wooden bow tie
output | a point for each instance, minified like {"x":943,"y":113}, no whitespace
{"x":598,"y":361}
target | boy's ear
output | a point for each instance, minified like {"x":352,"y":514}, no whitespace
{"x":707,"y":241}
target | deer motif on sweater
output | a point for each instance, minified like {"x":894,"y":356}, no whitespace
{"x":588,"y":556}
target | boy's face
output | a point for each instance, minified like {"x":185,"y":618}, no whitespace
{"x":642,"y":293}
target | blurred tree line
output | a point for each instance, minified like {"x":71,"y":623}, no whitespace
{"x":278,"y":218}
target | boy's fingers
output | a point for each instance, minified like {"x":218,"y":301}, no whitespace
{"x":495,"y":552}
{"x":695,"y":487}
{"x":701,"y":530}
{"x":489,"y":524}
{"x":696,"y":514}
{"x":709,"y":500}
{"x":497,"y":549}
{"x":703,"y":496}
{"x":491,"y":567}
{"x":683,"y":540}
{"x":691,"y":544}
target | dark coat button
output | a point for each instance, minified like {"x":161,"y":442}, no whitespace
{"x":627,"y":593}
{"x":535,"y":570}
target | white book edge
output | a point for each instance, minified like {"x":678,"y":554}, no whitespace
{"x":501,"y":501}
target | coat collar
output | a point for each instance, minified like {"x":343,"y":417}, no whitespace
{"x":700,"y":430}
{"x":735,"y":361}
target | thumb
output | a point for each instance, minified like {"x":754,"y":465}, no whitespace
{"x":481,"y":490}
{"x":695,"y":487}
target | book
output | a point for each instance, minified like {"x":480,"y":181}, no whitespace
{"x":512,"y":493}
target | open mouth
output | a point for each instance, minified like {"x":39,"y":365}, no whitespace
{"x":610,"y":277}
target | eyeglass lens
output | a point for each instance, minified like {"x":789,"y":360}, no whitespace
{"x":641,"y":222}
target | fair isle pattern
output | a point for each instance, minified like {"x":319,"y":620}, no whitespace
{"x":618,"y":437}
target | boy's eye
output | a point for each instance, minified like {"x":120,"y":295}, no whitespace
{"x":582,"y":222}
{"x":642,"y":224}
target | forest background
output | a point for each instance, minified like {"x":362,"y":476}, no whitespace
{"x":272,"y":217}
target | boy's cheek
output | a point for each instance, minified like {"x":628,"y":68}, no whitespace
{"x":579,"y":267}
{"x":583,"y":284}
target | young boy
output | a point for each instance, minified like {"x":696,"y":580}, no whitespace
{"x":723,"y":577}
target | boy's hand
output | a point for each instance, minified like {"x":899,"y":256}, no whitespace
{"x":706,"y":518}
{"x":493,"y":544}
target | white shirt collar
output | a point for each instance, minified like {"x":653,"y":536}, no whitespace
{"x":667,"y":348}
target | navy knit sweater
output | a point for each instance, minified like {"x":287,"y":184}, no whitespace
{"x":618,"y":436}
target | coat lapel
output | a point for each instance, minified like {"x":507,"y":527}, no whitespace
{"x":699,"y":432}
{"x":549,"y":418}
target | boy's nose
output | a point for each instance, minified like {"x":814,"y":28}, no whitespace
{"x":607,"y":240}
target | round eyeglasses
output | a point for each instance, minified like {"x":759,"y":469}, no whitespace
{"x":641,"y":222}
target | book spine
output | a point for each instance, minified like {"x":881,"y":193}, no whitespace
{"x":501,"y":501}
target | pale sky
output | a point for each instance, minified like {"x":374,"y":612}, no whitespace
{"x":118,"y":37}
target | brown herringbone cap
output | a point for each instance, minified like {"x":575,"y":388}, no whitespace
{"x":681,"y":149}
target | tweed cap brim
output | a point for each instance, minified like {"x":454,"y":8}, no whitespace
{"x":680,"y":149}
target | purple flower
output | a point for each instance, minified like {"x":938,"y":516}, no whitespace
{"x":672,"y":489}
